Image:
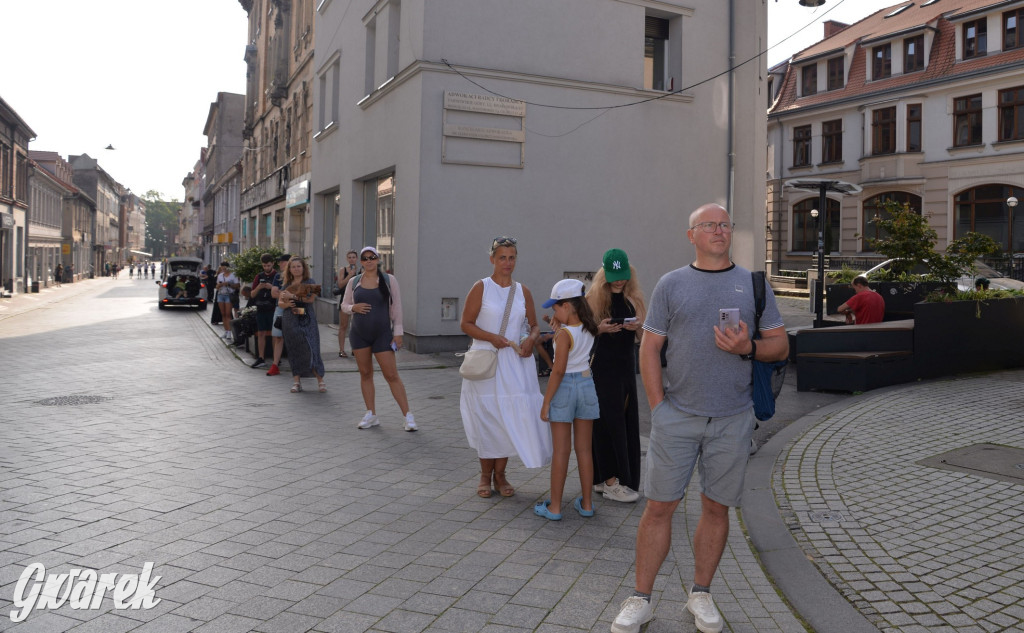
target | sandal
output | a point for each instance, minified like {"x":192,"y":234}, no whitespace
{"x":321,"y":386}
{"x":541,"y":510}
{"x":484,"y":490}
{"x":342,"y":354}
{"x":296,"y":387}
{"x":506,"y":489}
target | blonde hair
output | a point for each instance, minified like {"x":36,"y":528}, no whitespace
{"x":288,"y":271}
{"x":600,"y":296}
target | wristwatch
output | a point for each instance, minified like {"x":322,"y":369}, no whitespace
{"x":753,"y":351}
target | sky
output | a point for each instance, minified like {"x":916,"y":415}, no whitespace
{"x":136,"y":74}
{"x":786,"y":17}
{"x":140,"y":74}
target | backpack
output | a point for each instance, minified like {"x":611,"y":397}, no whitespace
{"x":766,"y":377}
{"x":384,"y":284}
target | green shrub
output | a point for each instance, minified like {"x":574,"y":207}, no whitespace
{"x":247,"y":263}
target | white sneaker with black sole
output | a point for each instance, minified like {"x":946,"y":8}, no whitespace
{"x":370,"y":419}
{"x":635,"y":612}
{"x":705,"y":614}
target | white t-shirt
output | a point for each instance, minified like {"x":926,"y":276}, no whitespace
{"x":229,"y":278}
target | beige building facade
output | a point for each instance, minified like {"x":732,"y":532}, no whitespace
{"x":920,"y":103}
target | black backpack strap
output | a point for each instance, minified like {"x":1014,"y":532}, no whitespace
{"x":757,"y":279}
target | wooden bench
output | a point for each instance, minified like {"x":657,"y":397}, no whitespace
{"x":854,"y":357}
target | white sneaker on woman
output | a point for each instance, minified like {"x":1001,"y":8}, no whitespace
{"x":410,"y":423}
{"x":621,"y":493}
{"x":370,"y":419}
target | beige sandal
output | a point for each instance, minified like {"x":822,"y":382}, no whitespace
{"x":484,"y":490}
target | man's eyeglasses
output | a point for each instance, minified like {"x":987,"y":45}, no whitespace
{"x":709,"y":227}
{"x":368,"y":258}
{"x":503,"y":241}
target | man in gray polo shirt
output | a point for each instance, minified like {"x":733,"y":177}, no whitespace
{"x":701,"y":409}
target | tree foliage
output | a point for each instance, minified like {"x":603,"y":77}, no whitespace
{"x":911,"y":241}
{"x":247,"y":265}
{"x":161,"y":223}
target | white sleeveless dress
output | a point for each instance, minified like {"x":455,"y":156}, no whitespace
{"x":501,"y":415}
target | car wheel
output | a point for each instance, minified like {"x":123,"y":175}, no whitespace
{"x":161,"y":306}
{"x":202,"y":306}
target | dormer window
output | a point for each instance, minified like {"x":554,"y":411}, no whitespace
{"x":975,"y":38}
{"x":809,"y":79}
{"x":881,"y":57}
{"x":836,"y":73}
{"x":913,"y":54}
{"x":899,"y":10}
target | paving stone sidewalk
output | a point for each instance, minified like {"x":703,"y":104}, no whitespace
{"x":133,"y":436}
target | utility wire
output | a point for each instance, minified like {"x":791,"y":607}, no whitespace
{"x":649,"y":99}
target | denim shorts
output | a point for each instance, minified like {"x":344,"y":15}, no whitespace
{"x":576,"y":399}
{"x":274,"y":331}
{"x":223,"y":297}
{"x":679,"y":441}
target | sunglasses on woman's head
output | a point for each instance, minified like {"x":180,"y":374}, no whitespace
{"x":368,"y":258}
{"x":503,"y":241}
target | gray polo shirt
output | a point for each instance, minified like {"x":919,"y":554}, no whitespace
{"x":700,"y":378}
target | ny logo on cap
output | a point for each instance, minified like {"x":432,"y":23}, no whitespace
{"x":616,"y":264}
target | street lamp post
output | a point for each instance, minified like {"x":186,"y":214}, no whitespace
{"x":822,"y":186}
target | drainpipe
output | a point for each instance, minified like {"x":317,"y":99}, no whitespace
{"x":732,"y":113}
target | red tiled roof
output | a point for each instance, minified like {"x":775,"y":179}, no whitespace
{"x":941,"y":62}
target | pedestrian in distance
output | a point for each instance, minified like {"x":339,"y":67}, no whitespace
{"x":344,"y":274}
{"x":501,"y":414}
{"x":58,"y":275}
{"x":276,"y":335}
{"x":373,"y":299}
{"x":617,"y":303}
{"x":131,"y":271}
{"x":227,"y":286}
{"x":701,"y":409}
{"x":570,"y":403}
{"x":265,"y":293}
{"x":300,"y":326}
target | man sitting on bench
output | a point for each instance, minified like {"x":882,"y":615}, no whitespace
{"x":866,"y":306}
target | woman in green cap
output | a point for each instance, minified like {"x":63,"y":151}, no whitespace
{"x":617,"y":302}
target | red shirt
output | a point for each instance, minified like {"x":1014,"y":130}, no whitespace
{"x":868,"y":306}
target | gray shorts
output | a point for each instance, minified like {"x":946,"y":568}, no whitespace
{"x":679,"y":441}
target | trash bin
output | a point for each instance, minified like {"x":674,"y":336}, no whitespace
{"x":35,"y":286}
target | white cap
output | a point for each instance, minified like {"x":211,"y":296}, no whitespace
{"x":565,"y":289}
{"x":368,"y":248}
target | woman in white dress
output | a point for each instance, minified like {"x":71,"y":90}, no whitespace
{"x":501,"y":415}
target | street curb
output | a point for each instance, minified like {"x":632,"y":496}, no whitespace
{"x":811,"y":595}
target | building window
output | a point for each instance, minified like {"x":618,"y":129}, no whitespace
{"x":802,"y":146}
{"x":975,"y":38}
{"x":805,"y":229}
{"x":984,"y":210}
{"x":1011,"y":30}
{"x":883,"y":131}
{"x":329,"y":95}
{"x":1011,"y":114}
{"x":882,"y":61}
{"x":379,"y":218}
{"x":914,"y":127}
{"x":967,"y":121}
{"x":913,"y":54}
{"x":836,"y":73}
{"x":809,"y":83}
{"x":874,"y":209}
{"x":656,"y":33}
{"x":832,"y":141}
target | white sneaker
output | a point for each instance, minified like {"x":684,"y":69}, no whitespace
{"x":705,"y":613}
{"x":410,"y":423}
{"x":370,"y":419}
{"x":599,"y":487}
{"x":621,"y":493}
{"x":635,"y":612}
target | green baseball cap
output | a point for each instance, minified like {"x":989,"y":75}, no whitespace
{"x":616,"y":265}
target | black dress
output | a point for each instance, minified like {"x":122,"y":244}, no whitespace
{"x":616,"y":440}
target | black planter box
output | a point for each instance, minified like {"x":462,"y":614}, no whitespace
{"x":951,"y":338}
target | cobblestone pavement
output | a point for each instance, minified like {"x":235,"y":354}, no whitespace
{"x":914,"y":547}
{"x":132,"y":435}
